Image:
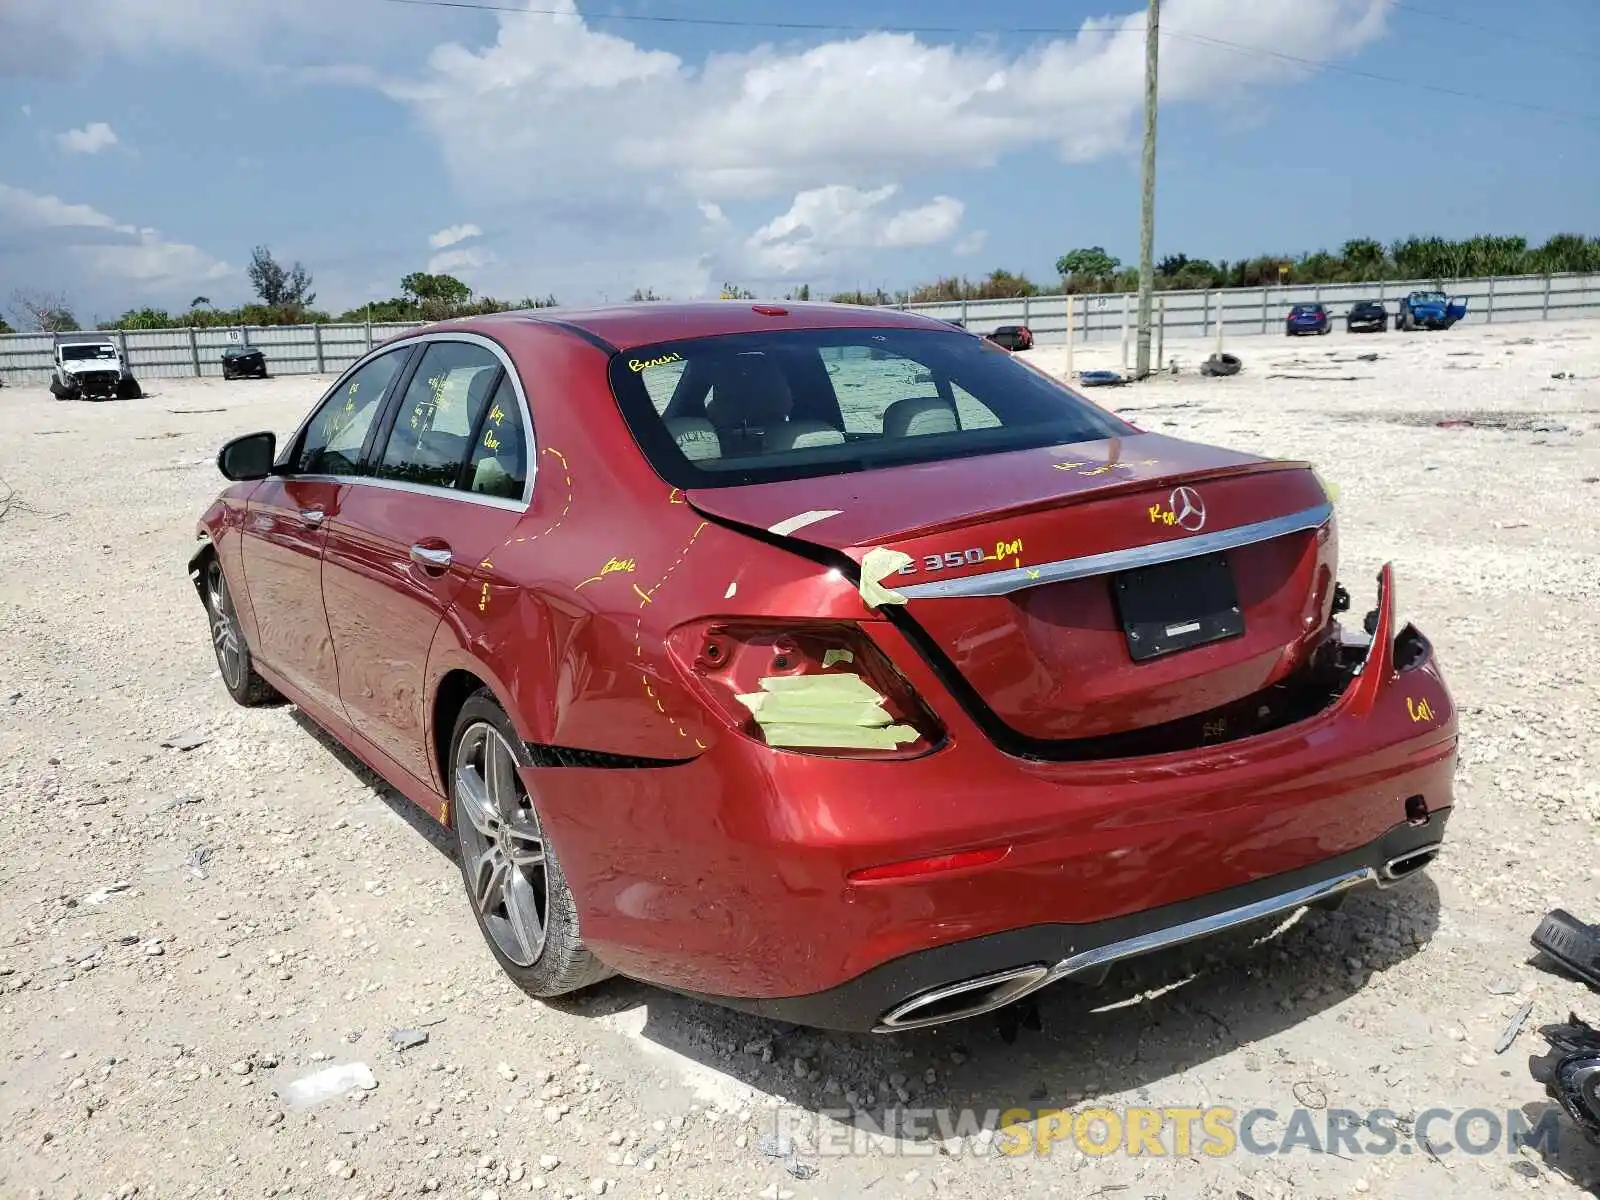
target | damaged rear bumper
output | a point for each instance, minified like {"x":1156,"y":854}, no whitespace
{"x":967,"y":978}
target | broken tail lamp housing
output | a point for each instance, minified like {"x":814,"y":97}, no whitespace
{"x":812,"y":687}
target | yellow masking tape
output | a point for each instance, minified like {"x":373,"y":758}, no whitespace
{"x":849,"y":737}
{"x":877,"y":565}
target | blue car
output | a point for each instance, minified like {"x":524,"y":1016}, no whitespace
{"x":1307,"y":318}
{"x":1429,"y":310}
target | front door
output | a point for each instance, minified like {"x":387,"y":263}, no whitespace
{"x":286,"y":530}
{"x":446,"y":488}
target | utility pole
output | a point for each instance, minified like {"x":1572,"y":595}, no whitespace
{"x":1147,"y":215}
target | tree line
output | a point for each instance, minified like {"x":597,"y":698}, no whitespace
{"x":283,"y":295}
{"x":1360,"y":260}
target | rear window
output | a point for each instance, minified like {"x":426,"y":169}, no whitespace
{"x":756,"y":408}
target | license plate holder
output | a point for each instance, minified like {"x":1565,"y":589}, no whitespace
{"x":1176,"y":606}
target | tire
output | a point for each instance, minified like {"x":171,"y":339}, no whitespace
{"x":1222,"y":365}
{"x":56,"y":390}
{"x":539,"y":949}
{"x":1325,"y":330}
{"x":128,"y":389}
{"x":228,"y":643}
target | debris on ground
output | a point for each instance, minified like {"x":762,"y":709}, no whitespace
{"x":197,"y":860}
{"x":1222,"y":365}
{"x":408,"y":1039}
{"x":327,"y":1084}
{"x":1101,"y":378}
{"x":1571,"y":943}
{"x":101,"y":895}
{"x":1513,"y":1027}
{"x":1570,"y":1071}
{"x":191,"y":740}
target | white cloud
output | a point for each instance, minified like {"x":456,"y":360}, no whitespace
{"x":104,"y":245}
{"x":454,"y":234}
{"x":554,"y":104}
{"x":453,"y":262}
{"x":91,"y":139}
{"x":971,"y":243}
{"x":825,"y":221}
{"x":27,"y":111}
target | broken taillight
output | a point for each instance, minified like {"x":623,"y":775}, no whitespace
{"x":815,"y":687}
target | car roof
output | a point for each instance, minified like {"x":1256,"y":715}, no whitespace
{"x":84,"y":339}
{"x":623,"y":326}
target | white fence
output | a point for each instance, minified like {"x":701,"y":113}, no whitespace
{"x":185,"y":353}
{"x":304,"y":349}
{"x":1245,"y":311}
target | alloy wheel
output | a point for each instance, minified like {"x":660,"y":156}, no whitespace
{"x":224,"y":628}
{"x":502,"y":844}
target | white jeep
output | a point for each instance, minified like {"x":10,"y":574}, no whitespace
{"x":88,"y":366}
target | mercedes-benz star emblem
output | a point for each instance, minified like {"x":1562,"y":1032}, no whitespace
{"x":1190,"y":509}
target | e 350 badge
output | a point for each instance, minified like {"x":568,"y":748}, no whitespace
{"x":970,"y":557}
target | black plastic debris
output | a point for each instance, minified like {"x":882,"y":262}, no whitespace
{"x":1570,"y":1071}
{"x":1571,"y":943}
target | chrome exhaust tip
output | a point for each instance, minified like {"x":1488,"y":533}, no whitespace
{"x":966,"y":999}
{"x":1410,"y":862}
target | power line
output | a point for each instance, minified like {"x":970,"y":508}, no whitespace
{"x":1034,"y":31}
{"x":943,"y":30}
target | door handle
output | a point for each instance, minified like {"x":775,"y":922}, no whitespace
{"x":437,"y":557}
{"x":312,"y":516}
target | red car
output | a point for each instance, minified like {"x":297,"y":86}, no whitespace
{"x":824,"y":662}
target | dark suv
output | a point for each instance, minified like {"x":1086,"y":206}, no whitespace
{"x":1367,"y":316}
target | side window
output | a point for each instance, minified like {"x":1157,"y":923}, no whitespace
{"x":434,"y":422}
{"x":334,"y":437}
{"x":499,"y":463}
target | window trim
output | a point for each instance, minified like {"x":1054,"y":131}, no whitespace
{"x":412,"y":345}
{"x":291,"y":445}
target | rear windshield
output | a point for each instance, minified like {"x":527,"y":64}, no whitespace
{"x":760,"y":407}
{"x":1307,"y":308}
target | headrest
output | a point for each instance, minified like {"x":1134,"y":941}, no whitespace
{"x":748,"y":389}
{"x":919,"y":415}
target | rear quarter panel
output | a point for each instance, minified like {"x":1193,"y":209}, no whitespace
{"x":567,"y":619}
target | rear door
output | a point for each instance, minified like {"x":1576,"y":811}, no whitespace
{"x":285,"y":530}
{"x":448,"y":483}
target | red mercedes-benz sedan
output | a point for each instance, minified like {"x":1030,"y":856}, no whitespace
{"x":826,"y":662}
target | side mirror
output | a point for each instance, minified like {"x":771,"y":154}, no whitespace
{"x":248,"y":457}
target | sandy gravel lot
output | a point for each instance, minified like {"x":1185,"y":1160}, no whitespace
{"x":184,"y":933}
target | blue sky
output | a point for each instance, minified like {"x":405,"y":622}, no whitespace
{"x":147,"y":145}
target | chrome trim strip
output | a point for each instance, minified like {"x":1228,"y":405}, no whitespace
{"x":416,"y":489}
{"x":1024,"y":980}
{"x":1205,"y":926}
{"x":1001,"y":583}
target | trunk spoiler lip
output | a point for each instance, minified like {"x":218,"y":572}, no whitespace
{"x":1012,"y":579}
{"x":703,"y":501}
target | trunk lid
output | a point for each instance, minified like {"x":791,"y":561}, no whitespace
{"x":1085,"y":590}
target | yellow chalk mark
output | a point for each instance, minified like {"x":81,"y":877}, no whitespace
{"x":644,"y":597}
